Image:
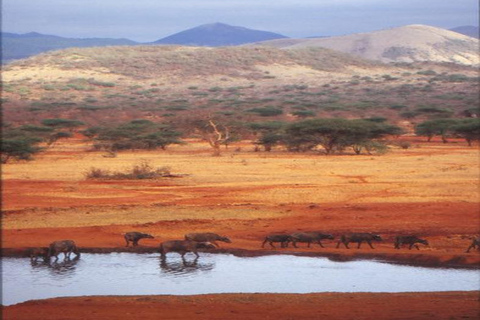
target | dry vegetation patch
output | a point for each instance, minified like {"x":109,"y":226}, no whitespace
{"x":259,"y":179}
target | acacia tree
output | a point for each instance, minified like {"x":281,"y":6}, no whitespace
{"x":270,"y":139}
{"x":365,"y":134}
{"x":440,"y":127}
{"x":469,"y":129}
{"x":271,"y":133}
{"x":336,"y":134}
{"x":306,"y":135}
{"x":136,"y":134}
{"x":18,"y":144}
{"x":63,"y":128}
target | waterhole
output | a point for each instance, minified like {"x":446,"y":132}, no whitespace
{"x":147,"y":274}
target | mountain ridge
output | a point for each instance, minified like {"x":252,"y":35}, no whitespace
{"x":471,"y":31}
{"x":20,"y":46}
{"x":458,"y":48}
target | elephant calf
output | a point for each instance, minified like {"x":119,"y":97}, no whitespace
{"x":134,"y":237}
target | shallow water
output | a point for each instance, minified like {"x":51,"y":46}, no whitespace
{"x":146,"y":274}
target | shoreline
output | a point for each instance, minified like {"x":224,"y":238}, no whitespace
{"x":410,"y":259}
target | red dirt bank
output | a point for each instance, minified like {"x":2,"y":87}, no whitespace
{"x":358,"y":306}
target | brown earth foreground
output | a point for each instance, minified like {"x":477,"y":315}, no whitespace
{"x":430,"y":190}
{"x":436,"y":305}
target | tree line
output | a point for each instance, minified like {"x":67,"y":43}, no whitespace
{"x":326,"y":135}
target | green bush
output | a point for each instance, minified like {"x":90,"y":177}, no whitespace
{"x":101,"y":83}
{"x":427,"y":73}
{"x":304,"y":113}
{"x":266,"y":111}
{"x":404,"y":144}
{"x":19,"y":144}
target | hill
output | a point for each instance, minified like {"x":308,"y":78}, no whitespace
{"x":218,"y":34}
{"x":403,"y":44}
{"x":19,"y":46}
{"x":172,"y":83}
{"x":470,"y":31}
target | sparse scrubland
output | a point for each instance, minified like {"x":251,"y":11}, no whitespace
{"x":178,"y":91}
{"x":109,"y":120}
{"x":111,"y":85}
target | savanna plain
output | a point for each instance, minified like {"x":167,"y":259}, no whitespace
{"x":415,"y":186}
{"x":430,"y":190}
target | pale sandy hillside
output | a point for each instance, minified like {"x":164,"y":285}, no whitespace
{"x":403,"y":44}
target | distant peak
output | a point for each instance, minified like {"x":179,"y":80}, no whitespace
{"x":33,"y":34}
{"x":217,"y":25}
{"x":218,"y":34}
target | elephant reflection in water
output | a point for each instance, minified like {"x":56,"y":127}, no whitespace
{"x":182,"y":267}
{"x":183,"y":247}
{"x":65,"y":267}
{"x":38,"y":253}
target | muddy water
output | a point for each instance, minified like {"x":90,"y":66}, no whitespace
{"x":147,"y":274}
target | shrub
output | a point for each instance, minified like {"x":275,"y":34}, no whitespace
{"x":266,"y":111}
{"x":408,"y":114}
{"x":304,"y":113}
{"x":398,"y":107}
{"x":215,"y":89}
{"x":388,"y":77}
{"x":143,"y":170}
{"x":404,"y":144}
{"x":61,"y":123}
{"x":101,"y":83}
{"x":427,"y":72}
{"x":97,"y":173}
{"x":376,"y":119}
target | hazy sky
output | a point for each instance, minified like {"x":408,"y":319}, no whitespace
{"x":150,"y":20}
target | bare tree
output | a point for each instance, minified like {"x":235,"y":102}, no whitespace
{"x":216,"y":130}
{"x":216,"y":135}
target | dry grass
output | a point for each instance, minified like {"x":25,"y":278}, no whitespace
{"x":231,"y":186}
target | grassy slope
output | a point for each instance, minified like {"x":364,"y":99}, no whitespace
{"x":167,"y":82}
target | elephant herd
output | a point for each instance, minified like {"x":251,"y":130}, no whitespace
{"x":346,"y":239}
{"x":192,"y":242}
